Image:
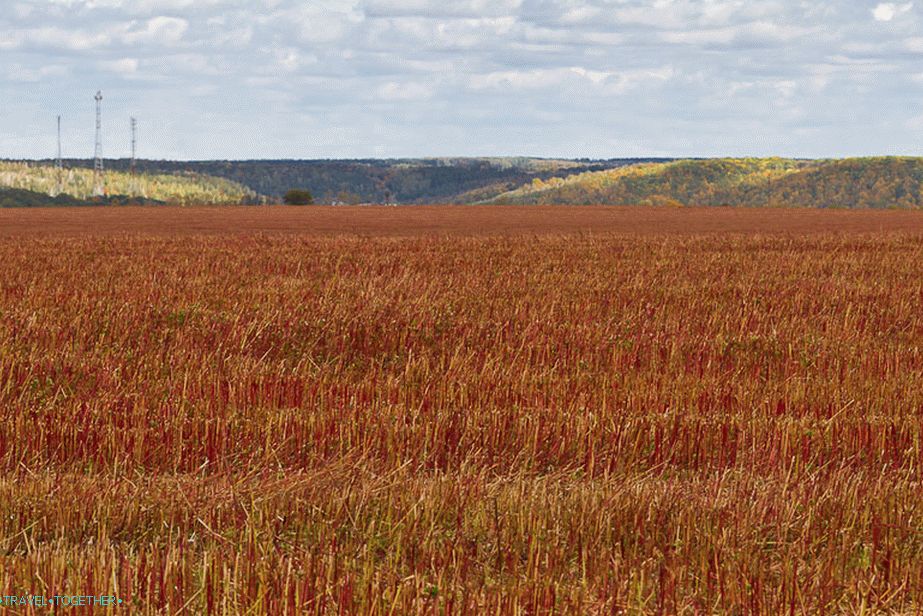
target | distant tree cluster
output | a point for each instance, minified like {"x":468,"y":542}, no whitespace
{"x":298,"y":197}
{"x":17,"y":197}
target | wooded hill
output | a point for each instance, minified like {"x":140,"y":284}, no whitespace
{"x":432,"y":180}
{"x":41,"y":179}
{"x":883,"y":182}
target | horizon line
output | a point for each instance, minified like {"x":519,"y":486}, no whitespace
{"x":484,"y":157}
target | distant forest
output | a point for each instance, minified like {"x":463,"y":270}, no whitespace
{"x":883,"y":182}
{"x":869,"y":183}
{"x":437,"y":180}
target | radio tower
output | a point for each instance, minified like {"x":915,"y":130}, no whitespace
{"x":133,"y":167}
{"x":59,"y":166}
{"x":99,"y":177}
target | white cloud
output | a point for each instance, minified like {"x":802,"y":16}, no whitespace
{"x":125,"y":66}
{"x":20,"y":73}
{"x":479,"y":76}
{"x":394,"y":91}
{"x":159,"y":30}
{"x":319,"y":21}
{"x":533,"y":79}
{"x":440,"y":8}
{"x":572,"y":77}
{"x":426,"y":33}
{"x":22,"y":11}
{"x":757,"y":32}
{"x":62,"y":38}
{"x":915,"y":123}
{"x":141,"y":7}
{"x":11,"y":41}
{"x":887,"y":11}
{"x":288,"y":59}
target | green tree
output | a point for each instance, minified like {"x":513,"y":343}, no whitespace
{"x":298,"y":197}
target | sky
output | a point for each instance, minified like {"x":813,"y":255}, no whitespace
{"x":246,"y":79}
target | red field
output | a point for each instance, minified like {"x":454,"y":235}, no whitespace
{"x":446,"y":220}
{"x":463,"y":410}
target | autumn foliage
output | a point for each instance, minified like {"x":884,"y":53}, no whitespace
{"x":78,"y":183}
{"x":876,"y":183}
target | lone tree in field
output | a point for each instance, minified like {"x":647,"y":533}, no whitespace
{"x":298,"y":197}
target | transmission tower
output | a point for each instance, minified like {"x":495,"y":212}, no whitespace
{"x":59,"y":166}
{"x":133,"y":167}
{"x":99,"y":174}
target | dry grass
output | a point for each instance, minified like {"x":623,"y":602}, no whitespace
{"x":618,"y":411}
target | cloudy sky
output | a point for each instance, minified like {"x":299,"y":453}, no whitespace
{"x":393,"y":78}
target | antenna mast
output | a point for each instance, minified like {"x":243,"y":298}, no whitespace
{"x":134,"y":147}
{"x":59,"y":166}
{"x":99,"y":178}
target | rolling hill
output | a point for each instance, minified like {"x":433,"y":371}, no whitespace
{"x":430,"y":180}
{"x":37,"y":184}
{"x":883,"y":182}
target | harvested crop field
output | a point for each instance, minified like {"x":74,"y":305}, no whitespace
{"x":463,"y":410}
{"x":445,"y":220}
